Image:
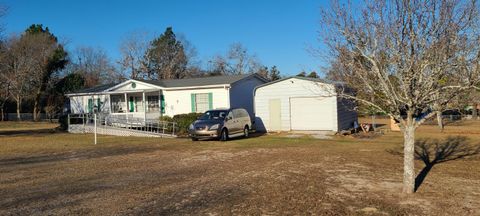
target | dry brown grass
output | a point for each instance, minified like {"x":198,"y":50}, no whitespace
{"x":45,"y":172}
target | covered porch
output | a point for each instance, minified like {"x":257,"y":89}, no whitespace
{"x":143,"y":105}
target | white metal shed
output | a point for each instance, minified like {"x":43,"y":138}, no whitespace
{"x":300,"y":103}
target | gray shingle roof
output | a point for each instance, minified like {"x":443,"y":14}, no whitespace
{"x":95,"y":89}
{"x":201,"y":81}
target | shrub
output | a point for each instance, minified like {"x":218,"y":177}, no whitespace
{"x":184,"y":120}
{"x":166,"y":118}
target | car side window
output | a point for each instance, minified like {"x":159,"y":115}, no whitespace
{"x":244,"y":113}
{"x":236,"y":113}
{"x":230,"y":115}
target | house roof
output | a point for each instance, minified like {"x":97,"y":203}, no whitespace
{"x":94,"y":89}
{"x":177,"y":83}
{"x":201,"y":81}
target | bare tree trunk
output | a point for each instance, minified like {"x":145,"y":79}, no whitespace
{"x":19,"y":106}
{"x":36,"y":105}
{"x":374,"y":126}
{"x":34,"y":113}
{"x":440,"y":120}
{"x":3,"y":115}
{"x":474,"y":112}
{"x":408,"y":159}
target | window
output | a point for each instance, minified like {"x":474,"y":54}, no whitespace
{"x":94,"y":107}
{"x":201,"y":103}
{"x":118,"y":104}
{"x":153,"y":105}
{"x":217,"y":114}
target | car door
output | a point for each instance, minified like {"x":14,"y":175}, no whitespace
{"x":237,"y":117}
{"x":230,"y":123}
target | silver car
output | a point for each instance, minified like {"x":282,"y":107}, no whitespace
{"x":222,"y":124}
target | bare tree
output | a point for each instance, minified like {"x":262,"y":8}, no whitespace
{"x":4,"y":94}
{"x":94,"y":65}
{"x":412,"y":56}
{"x":134,"y":61}
{"x":237,"y":61}
{"x":16,"y":64}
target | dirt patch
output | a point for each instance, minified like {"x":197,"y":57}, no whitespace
{"x":63,"y":174}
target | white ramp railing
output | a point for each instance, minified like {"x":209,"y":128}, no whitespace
{"x":85,"y":123}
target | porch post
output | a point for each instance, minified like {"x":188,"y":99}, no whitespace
{"x":160,"y":103}
{"x":110,"y":104}
{"x":144,"y":108}
{"x":126,"y":107}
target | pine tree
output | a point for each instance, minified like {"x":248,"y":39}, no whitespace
{"x":274,"y":74}
{"x":302,"y":74}
{"x":166,"y":57}
{"x":313,"y":74}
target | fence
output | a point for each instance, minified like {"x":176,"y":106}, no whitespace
{"x":26,"y":116}
{"x":120,"y":126}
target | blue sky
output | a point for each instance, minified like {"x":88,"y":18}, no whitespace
{"x":278,"y":32}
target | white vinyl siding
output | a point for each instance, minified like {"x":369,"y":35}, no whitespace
{"x":180,"y":101}
{"x":79,"y":104}
{"x":287,"y":91}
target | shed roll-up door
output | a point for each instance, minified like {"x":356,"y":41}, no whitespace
{"x":312,"y":113}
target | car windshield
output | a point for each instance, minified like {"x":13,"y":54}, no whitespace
{"x":216,"y":114}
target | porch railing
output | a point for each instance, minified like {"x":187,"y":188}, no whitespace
{"x":123,"y":122}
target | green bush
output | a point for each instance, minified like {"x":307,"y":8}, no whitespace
{"x":166,"y":118}
{"x":184,"y":120}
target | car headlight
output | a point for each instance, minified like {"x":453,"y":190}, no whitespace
{"x":190,"y":127}
{"x":214,"y":127}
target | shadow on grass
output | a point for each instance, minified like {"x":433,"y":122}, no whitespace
{"x":434,"y":151}
{"x":33,"y":132}
{"x":76,"y":155}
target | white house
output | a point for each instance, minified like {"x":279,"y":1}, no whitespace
{"x":299,"y":103}
{"x":149,"y":99}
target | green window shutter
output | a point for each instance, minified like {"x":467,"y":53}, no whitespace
{"x":99,"y":105}
{"x":90,"y":105}
{"x":210,"y":100}
{"x":162,"y":104}
{"x":132,"y":105}
{"x":193,"y":103}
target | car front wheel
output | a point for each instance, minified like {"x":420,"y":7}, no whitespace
{"x":224,"y":135}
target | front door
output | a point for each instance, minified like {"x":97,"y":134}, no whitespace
{"x":90,"y":105}
{"x":132,"y":104}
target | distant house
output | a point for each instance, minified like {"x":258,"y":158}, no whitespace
{"x":301,"y":103}
{"x":149,"y":99}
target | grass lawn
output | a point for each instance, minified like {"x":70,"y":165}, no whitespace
{"x":47,"y":172}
